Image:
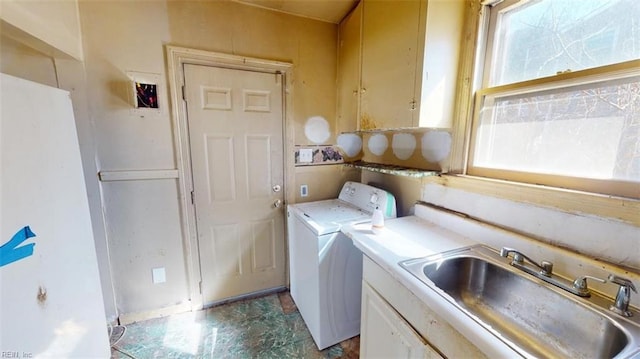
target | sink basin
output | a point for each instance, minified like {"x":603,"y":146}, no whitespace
{"x":533,"y":317}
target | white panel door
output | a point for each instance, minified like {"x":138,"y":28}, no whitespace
{"x":235,"y":131}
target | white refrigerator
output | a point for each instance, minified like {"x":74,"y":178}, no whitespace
{"x":50,"y":296}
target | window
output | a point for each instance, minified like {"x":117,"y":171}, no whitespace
{"x":559,"y":103}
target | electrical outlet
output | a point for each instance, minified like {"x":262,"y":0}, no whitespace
{"x":158,"y":275}
{"x":306,"y":155}
{"x":304,"y":190}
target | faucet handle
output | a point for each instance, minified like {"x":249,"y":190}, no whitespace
{"x":622,"y":281}
{"x":621,"y":303}
{"x":580,"y":284}
{"x":547,"y":268}
{"x":504,"y":251}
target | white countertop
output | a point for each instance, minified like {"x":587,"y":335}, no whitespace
{"x":412,"y":237}
{"x":432,"y":230}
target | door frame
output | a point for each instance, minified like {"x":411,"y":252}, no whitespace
{"x":176,"y":58}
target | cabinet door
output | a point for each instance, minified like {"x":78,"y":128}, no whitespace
{"x":390,"y":50}
{"x":349,"y":70}
{"x":385,"y":334}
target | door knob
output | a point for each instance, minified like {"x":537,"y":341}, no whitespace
{"x":277,"y":203}
{"x":276,"y":188}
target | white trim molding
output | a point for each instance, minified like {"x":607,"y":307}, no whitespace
{"x":137,"y":175}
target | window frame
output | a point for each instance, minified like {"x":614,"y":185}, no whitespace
{"x":482,"y":90}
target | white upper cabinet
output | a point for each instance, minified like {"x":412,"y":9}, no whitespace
{"x":395,"y":56}
{"x":390,"y":48}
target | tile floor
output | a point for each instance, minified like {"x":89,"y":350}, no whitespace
{"x":264,"y":327}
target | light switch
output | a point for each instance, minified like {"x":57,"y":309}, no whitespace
{"x":304,"y":190}
{"x":158,"y":275}
{"x":306,"y":155}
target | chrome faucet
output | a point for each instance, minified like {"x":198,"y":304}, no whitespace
{"x":544,"y":271}
{"x":546,"y":267}
{"x":621,"y":303}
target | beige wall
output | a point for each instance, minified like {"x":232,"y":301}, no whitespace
{"x":323,"y":182}
{"x":143,"y":219}
{"x":228,"y":27}
{"x":406,"y":190}
{"x":22,"y":61}
{"x":137,"y":223}
{"x":52,"y":27}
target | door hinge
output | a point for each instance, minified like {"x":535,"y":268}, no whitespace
{"x":184,"y":97}
{"x":192,"y":197}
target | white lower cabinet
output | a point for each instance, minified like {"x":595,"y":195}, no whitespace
{"x":385,"y":334}
{"x":397,"y":324}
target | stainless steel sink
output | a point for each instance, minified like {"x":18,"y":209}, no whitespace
{"x":533,"y":317}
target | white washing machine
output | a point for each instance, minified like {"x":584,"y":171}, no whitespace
{"x":325,"y":267}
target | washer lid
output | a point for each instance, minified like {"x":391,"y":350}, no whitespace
{"x":330,"y":215}
{"x":333,"y":210}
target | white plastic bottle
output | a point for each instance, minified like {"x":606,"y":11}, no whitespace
{"x":377,"y":220}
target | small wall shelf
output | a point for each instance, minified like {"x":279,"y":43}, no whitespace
{"x":392,"y":169}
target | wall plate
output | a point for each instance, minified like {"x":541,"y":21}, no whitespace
{"x":158,"y":275}
{"x":306,"y":155}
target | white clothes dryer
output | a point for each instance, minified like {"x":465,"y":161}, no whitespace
{"x":325,"y":267}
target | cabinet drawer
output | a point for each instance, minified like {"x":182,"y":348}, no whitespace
{"x":433,"y":328}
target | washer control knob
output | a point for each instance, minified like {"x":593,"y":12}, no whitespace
{"x":374,"y":198}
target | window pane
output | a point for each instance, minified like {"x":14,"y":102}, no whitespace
{"x":590,"y":131}
{"x":541,"y":38}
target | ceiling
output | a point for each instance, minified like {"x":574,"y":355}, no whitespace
{"x":325,"y":10}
